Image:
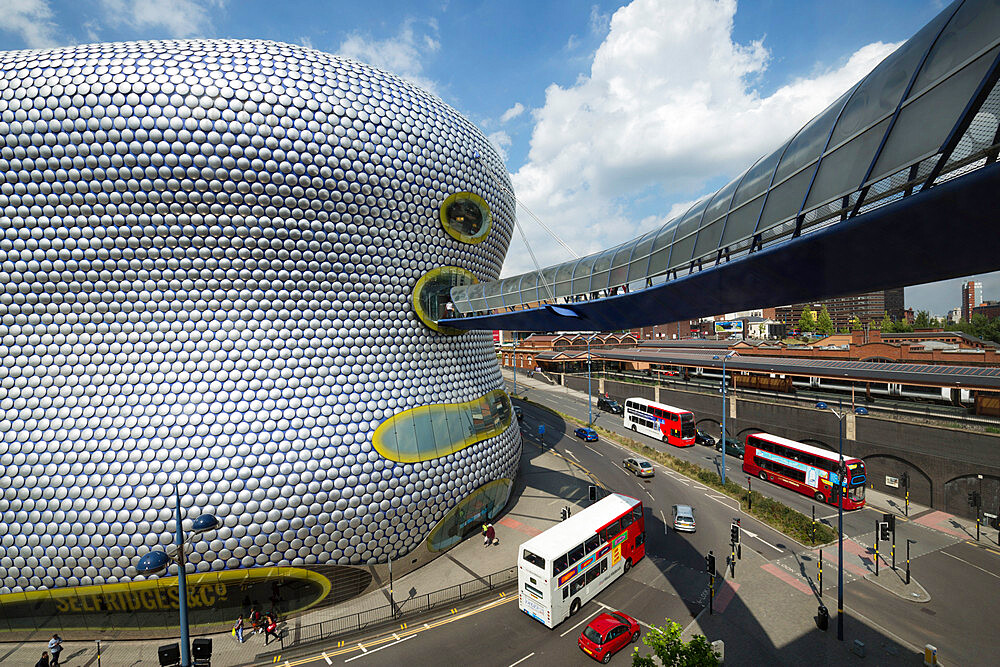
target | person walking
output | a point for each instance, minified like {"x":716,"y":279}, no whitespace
{"x":44,"y":660}
{"x":256,"y":621}
{"x":270,"y":628}
{"x":491,"y":534}
{"x":55,"y":648}
{"x":486,"y":539}
{"x":238,"y":629}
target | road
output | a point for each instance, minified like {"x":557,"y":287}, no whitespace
{"x":672,"y":583}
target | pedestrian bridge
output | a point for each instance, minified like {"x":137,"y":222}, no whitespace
{"x":895,"y":183}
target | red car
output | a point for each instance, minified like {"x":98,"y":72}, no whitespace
{"x":607,"y":634}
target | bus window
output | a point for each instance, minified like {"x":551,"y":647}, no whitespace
{"x":593,"y":543}
{"x":577,"y":584}
{"x":560,"y":564}
{"x":626,"y":521}
{"x":577,"y":553}
{"x":611,"y":531}
{"x":637,"y":512}
{"x":534,"y":591}
{"x":592,"y":574}
{"x":537,"y":561}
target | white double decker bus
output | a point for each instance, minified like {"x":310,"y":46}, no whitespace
{"x":674,"y":426}
{"x":561,"y":569}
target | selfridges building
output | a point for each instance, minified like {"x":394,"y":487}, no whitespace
{"x":221,"y":269}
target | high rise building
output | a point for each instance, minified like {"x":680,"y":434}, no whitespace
{"x":972,"y":296}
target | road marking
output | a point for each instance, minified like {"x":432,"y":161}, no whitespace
{"x":395,"y":636}
{"x":725,"y":501}
{"x":888,"y":632}
{"x":522,"y":659}
{"x":580,"y":623}
{"x":664,"y":522}
{"x":575,"y":459}
{"x":643,"y":623}
{"x":650,"y":495}
{"x":971,"y":564}
{"x":375,"y":650}
{"x":594,"y":450}
{"x":362,"y":647}
{"x":328,"y":661}
{"x":759,"y":539}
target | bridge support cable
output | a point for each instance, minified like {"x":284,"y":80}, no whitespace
{"x":500,"y":184}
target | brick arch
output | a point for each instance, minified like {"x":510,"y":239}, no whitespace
{"x":956,"y":494}
{"x":878,"y":466}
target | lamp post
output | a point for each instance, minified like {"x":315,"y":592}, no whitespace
{"x":724,"y":414}
{"x":159,"y":561}
{"x":841,"y":478}
{"x":590,"y":394}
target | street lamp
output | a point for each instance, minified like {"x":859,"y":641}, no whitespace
{"x":590,"y":395}
{"x":841,"y":479}
{"x":159,"y":561}
{"x":724,"y":413}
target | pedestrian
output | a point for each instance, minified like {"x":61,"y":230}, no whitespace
{"x":491,"y":535}
{"x":256,"y":620}
{"x":238,"y":629}
{"x":55,"y":648}
{"x":270,"y":628}
{"x":486,"y":538}
{"x":44,"y":660}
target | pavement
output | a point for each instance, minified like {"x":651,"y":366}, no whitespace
{"x":765,"y":614}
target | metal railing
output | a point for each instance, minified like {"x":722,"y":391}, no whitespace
{"x":418,"y":604}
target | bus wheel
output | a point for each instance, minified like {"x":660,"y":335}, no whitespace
{"x":763,"y":476}
{"x":628,"y":565}
{"x":665,"y":440}
{"x":634,"y":428}
{"x":575,"y":607}
{"x":820,"y":497}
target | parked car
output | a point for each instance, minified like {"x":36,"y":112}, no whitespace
{"x":641,"y":467}
{"x":703,"y":438}
{"x":518,"y":412}
{"x":586,"y":434}
{"x":733,"y":447}
{"x":607,"y":634}
{"x":606,"y":404}
{"x":684,"y":518}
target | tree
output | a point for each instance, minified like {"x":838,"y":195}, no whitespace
{"x":922,"y":320}
{"x":672,"y":651}
{"x":855,"y":323}
{"x":807,"y":322}
{"x":823,"y":323}
{"x":887,"y":325}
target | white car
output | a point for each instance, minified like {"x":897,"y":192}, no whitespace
{"x":684,"y":518}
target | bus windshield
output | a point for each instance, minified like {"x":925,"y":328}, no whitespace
{"x":535,"y":560}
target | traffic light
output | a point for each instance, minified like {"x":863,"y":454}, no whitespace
{"x":734,"y":532}
{"x":593,"y":492}
{"x":973,"y":499}
{"x":710,"y":563}
{"x":905,"y":479}
{"x":883,"y":531}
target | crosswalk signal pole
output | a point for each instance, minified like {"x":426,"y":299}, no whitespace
{"x":821,"y":573}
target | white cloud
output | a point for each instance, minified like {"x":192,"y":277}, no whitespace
{"x":180,"y":18}
{"x":402,"y":54}
{"x":31,"y":20}
{"x":668,"y":106}
{"x":512,"y":113}
{"x":501,"y":142}
{"x":306,"y":42}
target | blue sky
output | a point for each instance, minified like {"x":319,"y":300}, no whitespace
{"x":612,"y":116}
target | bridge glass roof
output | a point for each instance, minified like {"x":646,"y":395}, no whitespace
{"x":905,"y":126}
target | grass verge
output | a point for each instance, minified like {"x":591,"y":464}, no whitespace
{"x":775,"y":514}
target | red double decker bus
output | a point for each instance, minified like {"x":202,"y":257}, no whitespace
{"x":672,"y":425}
{"x":804,"y":468}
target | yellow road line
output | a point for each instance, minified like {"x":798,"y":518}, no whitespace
{"x":368,"y":645}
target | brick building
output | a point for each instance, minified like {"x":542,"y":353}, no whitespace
{"x":869,"y":308}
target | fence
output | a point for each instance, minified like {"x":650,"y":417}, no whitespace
{"x":419,"y":604}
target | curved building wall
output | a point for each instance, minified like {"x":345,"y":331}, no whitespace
{"x":208,"y":251}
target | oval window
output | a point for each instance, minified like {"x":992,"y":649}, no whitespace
{"x":432,"y":296}
{"x":466,"y":217}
